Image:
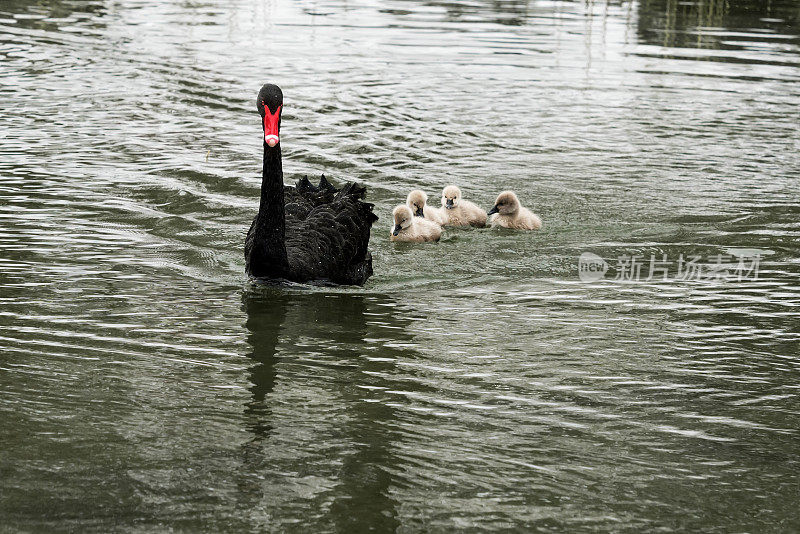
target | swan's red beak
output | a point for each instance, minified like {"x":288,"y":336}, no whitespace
{"x":271,"y":121}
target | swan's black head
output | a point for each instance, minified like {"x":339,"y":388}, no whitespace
{"x":270,"y":103}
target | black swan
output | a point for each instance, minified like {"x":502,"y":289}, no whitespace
{"x":305,"y":233}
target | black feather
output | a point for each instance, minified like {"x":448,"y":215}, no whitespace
{"x":326,"y":237}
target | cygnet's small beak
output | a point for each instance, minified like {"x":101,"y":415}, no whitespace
{"x":449,"y":203}
{"x":493,"y":211}
{"x":397,"y":229}
{"x":419,"y":212}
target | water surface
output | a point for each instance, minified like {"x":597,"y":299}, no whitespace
{"x":475,"y":384}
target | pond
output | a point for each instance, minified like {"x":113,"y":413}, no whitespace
{"x":489,"y":382}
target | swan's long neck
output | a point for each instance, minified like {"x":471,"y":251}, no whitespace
{"x":271,"y":221}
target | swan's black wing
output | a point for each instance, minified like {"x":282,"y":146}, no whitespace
{"x":299,"y":200}
{"x":304,"y":197}
{"x":330,"y":242}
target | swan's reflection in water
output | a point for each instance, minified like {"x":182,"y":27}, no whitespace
{"x":320,"y":429}
{"x":265,"y":316}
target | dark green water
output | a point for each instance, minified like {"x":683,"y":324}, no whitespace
{"x":477,"y":384}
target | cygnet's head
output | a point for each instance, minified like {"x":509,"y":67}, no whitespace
{"x":402,"y":218}
{"x":416,"y":201}
{"x":451,"y":196}
{"x":507,"y":203}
